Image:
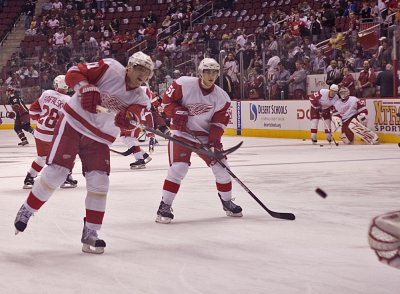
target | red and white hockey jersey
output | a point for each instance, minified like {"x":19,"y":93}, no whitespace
{"x":322,"y":99}
{"x":349,"y":108}
{"x":46,"y":110}
{"x":109,"y":76}
{"x":208,"y":109}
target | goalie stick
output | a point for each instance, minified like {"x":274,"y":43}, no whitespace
{"x":275,"y":214}
{"x":192,"y":147}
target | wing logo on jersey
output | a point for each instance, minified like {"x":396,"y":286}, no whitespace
{"x":112,"y":102}
{"x":197,"y":109}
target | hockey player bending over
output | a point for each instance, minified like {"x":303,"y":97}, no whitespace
{"x":46,"y":110}
{"x":351,"y":114}
{"x":82,"y":131}
{"x":384,"y":238}
{"x":197,"y":108}
{"x":321,"y":104}
{"x":22,"y":120}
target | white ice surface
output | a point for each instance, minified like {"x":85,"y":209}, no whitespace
{"x":325,"y":250}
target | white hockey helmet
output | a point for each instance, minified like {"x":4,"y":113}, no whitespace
{"x":59,"y":83}
{"x":334,"y":88}
{"x":208,"y":63}
{"x":140,"y":58}
{"x":344,"y":93}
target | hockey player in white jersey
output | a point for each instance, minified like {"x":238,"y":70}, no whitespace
{"x":46,"y":110}
{"x":351,"y":114}
{"x":199,"y":111}
{"x":321,"y":105}
{"x":83,"y":131}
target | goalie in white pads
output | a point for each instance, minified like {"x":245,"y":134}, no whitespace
{"x":321,"y":104}
{"x":82,"y":131}
{"x":350,"y":113}
{"x":197,"y":106}
{"x":384,"y":238}
{"x":46,"y":110}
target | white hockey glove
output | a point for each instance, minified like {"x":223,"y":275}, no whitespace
{"x":362,"y":118}
{"x":337,"y":121}
{"x":384,"y":238}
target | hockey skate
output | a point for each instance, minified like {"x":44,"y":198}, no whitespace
{"x":23,"y":143}
{"x":314,"y":141}
{"x":138,"y":164}
{"x":164,"y":213}
{"x":147,"y":157}
{"x":230,"y":208}
{"x":91,"y":242}
{"x":29,"y":181}
{"x":22,"y":218}
{"x":69,"y":182}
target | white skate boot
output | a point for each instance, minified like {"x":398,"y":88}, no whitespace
{"x":22,"y":218}
{"x":90,"y":240}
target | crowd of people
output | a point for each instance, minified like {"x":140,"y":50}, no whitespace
{"x":277,"y":56}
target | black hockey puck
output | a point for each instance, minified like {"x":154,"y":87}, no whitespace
{"x":321,"y":192}
{"x":321,"y":145}
{"x":398,"y":144}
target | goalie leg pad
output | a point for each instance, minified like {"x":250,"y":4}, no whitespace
{"x":363,"y":132}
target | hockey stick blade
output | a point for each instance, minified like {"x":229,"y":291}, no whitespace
{"x":274,"y":214}
{"x":125,"y":153}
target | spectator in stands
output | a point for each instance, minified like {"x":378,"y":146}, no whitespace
{"x":31,"y":72}
{"x":29,"y":10}
{"x":384,"y":55}
{"x":349,"y":60}
{"x":227,"y":84}
{"x":297,"y":82}
{"x":115,"y":26}
{"x":385,"y":81}
{"x":248,"y":58}
{"x":58,"y":38}
{"x":232,"y":68}
{"x":308,"y":48}
{"x":105,"y":47}
{"x":365,"y":85}
{"x":140,"y":33}
{"x":348,"y":81}
{"x":337,"y":42}
{"x":366,"y":12}
{"x":166,"y":22}
{"x":150,"y":31}
{"x":57,"y":5}
{"x":101,"y":5}
{"x":280,"y":83}
{"x":256,"y":84}
{"x":151,"y":18}
{"x":53,"y":23}
{"x":92,"y":27}
{"x":240,"y":38}
{"x":328,"y":20}
{"x":318,"y":63}
{"x":333,"y":75}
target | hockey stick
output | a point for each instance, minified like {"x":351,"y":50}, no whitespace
{"x":275,"y":214}
{"x":192,"y":147}
{"x":125,"y":153}
{"x":330,"y":131}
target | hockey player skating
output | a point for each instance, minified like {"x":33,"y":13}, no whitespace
{"x":22,"y":120}
{"x":196,"y":106}
{"x":84,"y":132}
{"x":321,"y":104}
{"x":350,"y":113}
{"x":384,"y":238}
{"x":46,"y":110}
{"x":130,"y":139}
